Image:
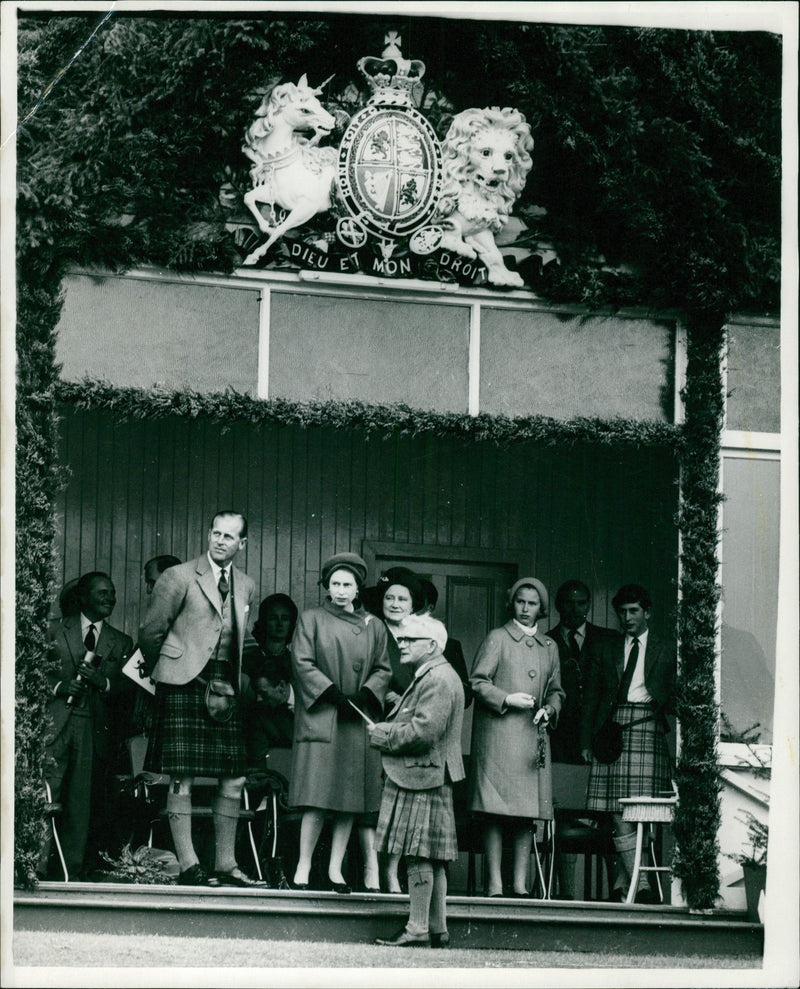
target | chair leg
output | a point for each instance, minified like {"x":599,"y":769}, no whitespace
{"x":253,"y":848}
{"x":550,"y":835}
{"x":54,"y":830}
{"x":637,"y":863}
{"x":654,"y":862}
{"x":539,"y":872}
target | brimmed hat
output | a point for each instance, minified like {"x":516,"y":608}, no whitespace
{"x":541,"y":590}
{"x":424,"y":627}
{"x":345,"y":561}
{"x":405,"y":578}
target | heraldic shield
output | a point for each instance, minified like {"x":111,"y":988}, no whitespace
{"x":390,"y":170}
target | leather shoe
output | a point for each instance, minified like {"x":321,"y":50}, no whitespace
{"x":341,"y":888}
{"x":645,"y":895}
{"x":299,"y":886}
{"x":196,"y":875}
{"x":238,"y":879}
{"x":406,"y":940}
{"x":440,"y":940}
{"x":617,"y":896}
{"x":519,"y":896}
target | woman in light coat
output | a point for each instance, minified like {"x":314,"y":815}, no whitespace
{"x":338,"y":659}
{"x":517,"y":685}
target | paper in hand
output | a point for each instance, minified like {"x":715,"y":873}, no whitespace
{"x":370,"y":724}
{"x":132,"y":670}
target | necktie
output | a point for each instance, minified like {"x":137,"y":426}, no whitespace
{"x":574,"y":648}
{"x":90,"y":640}
{"x":627,"y":676}
{"x":223,"y":584}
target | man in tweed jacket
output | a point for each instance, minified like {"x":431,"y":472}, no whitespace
{"x":194,"y":633}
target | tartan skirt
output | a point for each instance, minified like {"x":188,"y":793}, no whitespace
{"x":417,"y":822}
{"x":643,"y":769}
{"x":186,"y":741}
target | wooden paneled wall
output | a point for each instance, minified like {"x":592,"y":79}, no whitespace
{"x":143,"y":488}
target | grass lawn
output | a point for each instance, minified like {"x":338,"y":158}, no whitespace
{"x":59,"y":949}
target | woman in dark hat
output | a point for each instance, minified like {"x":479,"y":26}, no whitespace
{"x":338,"y":660}
{"x":517,"y":683}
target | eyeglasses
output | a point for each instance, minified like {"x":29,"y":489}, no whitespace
{"x":402,"y":639}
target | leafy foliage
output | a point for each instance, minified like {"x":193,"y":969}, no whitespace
{"x":145,"y":866}
{"x":375,"y":420}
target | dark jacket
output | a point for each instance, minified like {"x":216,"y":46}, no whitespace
{"x":605,"y":673}
{"x":68,"y":651}
{"x":565,"y":739}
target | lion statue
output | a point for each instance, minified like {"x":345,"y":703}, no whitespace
{"x":486,"y":160}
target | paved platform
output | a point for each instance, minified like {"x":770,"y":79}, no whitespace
{"x":474,"y":922}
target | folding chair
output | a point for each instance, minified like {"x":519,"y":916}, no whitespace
{"x":53,"y":810}
{"x":149,"y":787}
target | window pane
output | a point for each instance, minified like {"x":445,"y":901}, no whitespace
{"x":754,"y":378}
{"x":750,"y":592}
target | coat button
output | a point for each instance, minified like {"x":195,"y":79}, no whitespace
{"x":529,"y":643}
{"x":357,"y":667}
{"x":356,"y":630}
{"x":531,"y":674}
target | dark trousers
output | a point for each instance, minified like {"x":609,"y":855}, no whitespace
{"x":69,"y":761}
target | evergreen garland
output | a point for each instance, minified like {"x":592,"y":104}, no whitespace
{"x":231,"y":406}
{"x":38,"y":476}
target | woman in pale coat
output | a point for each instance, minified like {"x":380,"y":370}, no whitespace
{"x":517,"y":685}
{"x":338,"y":659}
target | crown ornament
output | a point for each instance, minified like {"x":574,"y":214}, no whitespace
{"x":391,"y":77}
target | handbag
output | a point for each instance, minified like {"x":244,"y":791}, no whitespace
{"x":607,"y":740}
{"x":220,"y":700}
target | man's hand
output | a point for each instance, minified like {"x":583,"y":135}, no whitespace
{"x":91,"y":674}
{"x":75,"y":687}
{"x":587,"y":755}
{"x":543,"y":712}
{"x":273,"y":695}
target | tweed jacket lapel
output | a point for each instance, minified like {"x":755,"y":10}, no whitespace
{"x":619,"y":659}
{"x":205,"y":578}
{"x":651,"y":655}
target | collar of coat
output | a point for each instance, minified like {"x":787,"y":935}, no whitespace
{"x":430,"y":664}
{"x":360,"y":616}
{"x":208,"y":583}
{"x":518,"y":635}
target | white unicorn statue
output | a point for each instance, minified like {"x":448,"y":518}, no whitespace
{"x":288,"y":169}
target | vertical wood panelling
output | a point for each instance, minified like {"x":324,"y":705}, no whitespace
{"x":138,"y":489}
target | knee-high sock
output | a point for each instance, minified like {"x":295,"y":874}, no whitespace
{"x":226,"y":817}
{"x":179,"y":814}
{"x":420,"y":890}
{"x":438,"y":917}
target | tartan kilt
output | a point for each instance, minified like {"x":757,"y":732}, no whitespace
{"x":417,"y":822}
{"x":185,"y":741}
{"x":643,"y":769}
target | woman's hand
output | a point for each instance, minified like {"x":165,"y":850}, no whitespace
{"x":543,"y":713}
{"x":519,"y":702}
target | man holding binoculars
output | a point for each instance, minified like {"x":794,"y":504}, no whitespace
{"x":87,"y":655}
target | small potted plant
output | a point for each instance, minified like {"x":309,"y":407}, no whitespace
{"x":754,"y":862}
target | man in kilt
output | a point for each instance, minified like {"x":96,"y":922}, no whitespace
{"x":421,"y":745}
{"x":192,"y":639}
{"x":632,"y":681}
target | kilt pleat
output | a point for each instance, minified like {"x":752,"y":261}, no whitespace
{"x":643,"y":769}
{"x":185,"y":740}
{"x":417,"y":822}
